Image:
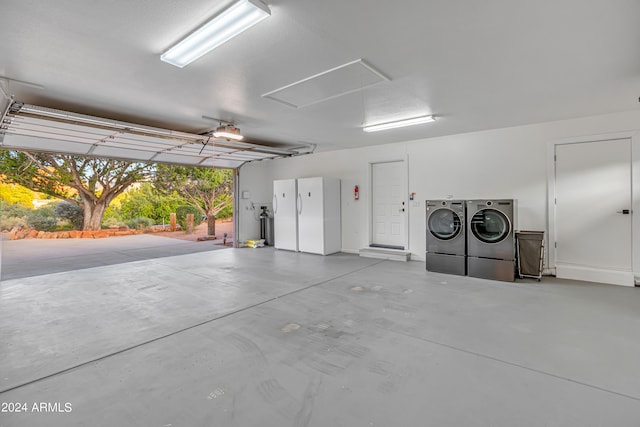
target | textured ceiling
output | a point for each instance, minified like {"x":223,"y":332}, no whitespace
{"x":474,"y":64}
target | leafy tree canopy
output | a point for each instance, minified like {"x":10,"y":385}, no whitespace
{"x":208,"y":189}
{"x":91,"y":183}
{"x":146,"y":201}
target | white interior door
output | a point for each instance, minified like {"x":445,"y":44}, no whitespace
{"x":310,"y":215}
{"x":388,"y":204}
{"x":593,"y":211}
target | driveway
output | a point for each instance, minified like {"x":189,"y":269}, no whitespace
{"x":35,"y":257}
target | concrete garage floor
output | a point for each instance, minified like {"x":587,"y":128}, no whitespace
{"x":258,"y":337}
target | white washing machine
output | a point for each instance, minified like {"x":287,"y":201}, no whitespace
{"x":446,"y":236}
{"x":491,"y":239}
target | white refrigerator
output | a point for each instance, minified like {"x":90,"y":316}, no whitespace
{"x":306,"y":215}
{"x":285,"y":214}
{"x":319,"y":215}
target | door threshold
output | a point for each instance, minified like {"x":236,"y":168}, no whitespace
{"x":375,"y":245}
{"x":385,"y":253}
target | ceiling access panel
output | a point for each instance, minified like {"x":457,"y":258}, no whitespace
{"x":342,"y":80}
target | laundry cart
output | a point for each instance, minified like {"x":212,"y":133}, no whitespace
{"x":530,"y":253}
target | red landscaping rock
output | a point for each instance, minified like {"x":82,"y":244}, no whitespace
{"x":22,"y":232}
{"x":13,"y":234}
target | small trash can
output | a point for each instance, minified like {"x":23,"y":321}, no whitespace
{"x":530,"y":253}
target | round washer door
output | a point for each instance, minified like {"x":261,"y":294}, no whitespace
{"x":490,"y":226}
{"x":444,"y":224}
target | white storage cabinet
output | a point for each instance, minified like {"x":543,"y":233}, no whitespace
{"x":307,"y":215}
{"x":285,"y":214}
{"x":319,"y":215}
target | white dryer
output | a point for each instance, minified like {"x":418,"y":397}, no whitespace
{"x":446,"y":236}
{"x":491,"y":239}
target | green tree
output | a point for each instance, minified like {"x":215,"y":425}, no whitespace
{"x":207,"y":189}
{"x":88,"y":182}
{"x":146,"y":201}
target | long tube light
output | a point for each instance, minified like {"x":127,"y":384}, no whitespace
{"x":232,"y":21}
{"x":399,"y":123}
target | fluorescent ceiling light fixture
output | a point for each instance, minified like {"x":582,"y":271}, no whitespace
{"x":232,"y":21}
{"x":399,"y":123}
{"x":228,"y":132}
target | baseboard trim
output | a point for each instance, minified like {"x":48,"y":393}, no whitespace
{"x":598,"y":275}
{"x":351,"y":251}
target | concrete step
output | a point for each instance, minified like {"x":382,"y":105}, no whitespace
{"x":384,"y":253}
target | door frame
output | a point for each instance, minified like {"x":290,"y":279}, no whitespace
{"x":405,"y":190}
{"x":634,"y":137}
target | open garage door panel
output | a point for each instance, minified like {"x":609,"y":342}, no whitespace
{"x":33,"y":128}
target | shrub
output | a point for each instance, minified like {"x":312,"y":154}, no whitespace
{"x":42,"y":219}
{"x":181,"y":215}
{"x":71,"y":212}
{"x":12,"y":214}
{"x":65,"y":225}
{"x":112,"y":221}
{"x":13,"y":210}
{"x":41,"y":222}
{"x":16,"y":194}
{"x":140,"y":223}
{"x":7,"y":223}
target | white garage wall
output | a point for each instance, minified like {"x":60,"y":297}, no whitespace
{"x":254,"y":178}
{"x":500,"y":163}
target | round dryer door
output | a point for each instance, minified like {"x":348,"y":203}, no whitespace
{"x":490,"y":226}
{"x":444,"y":224}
